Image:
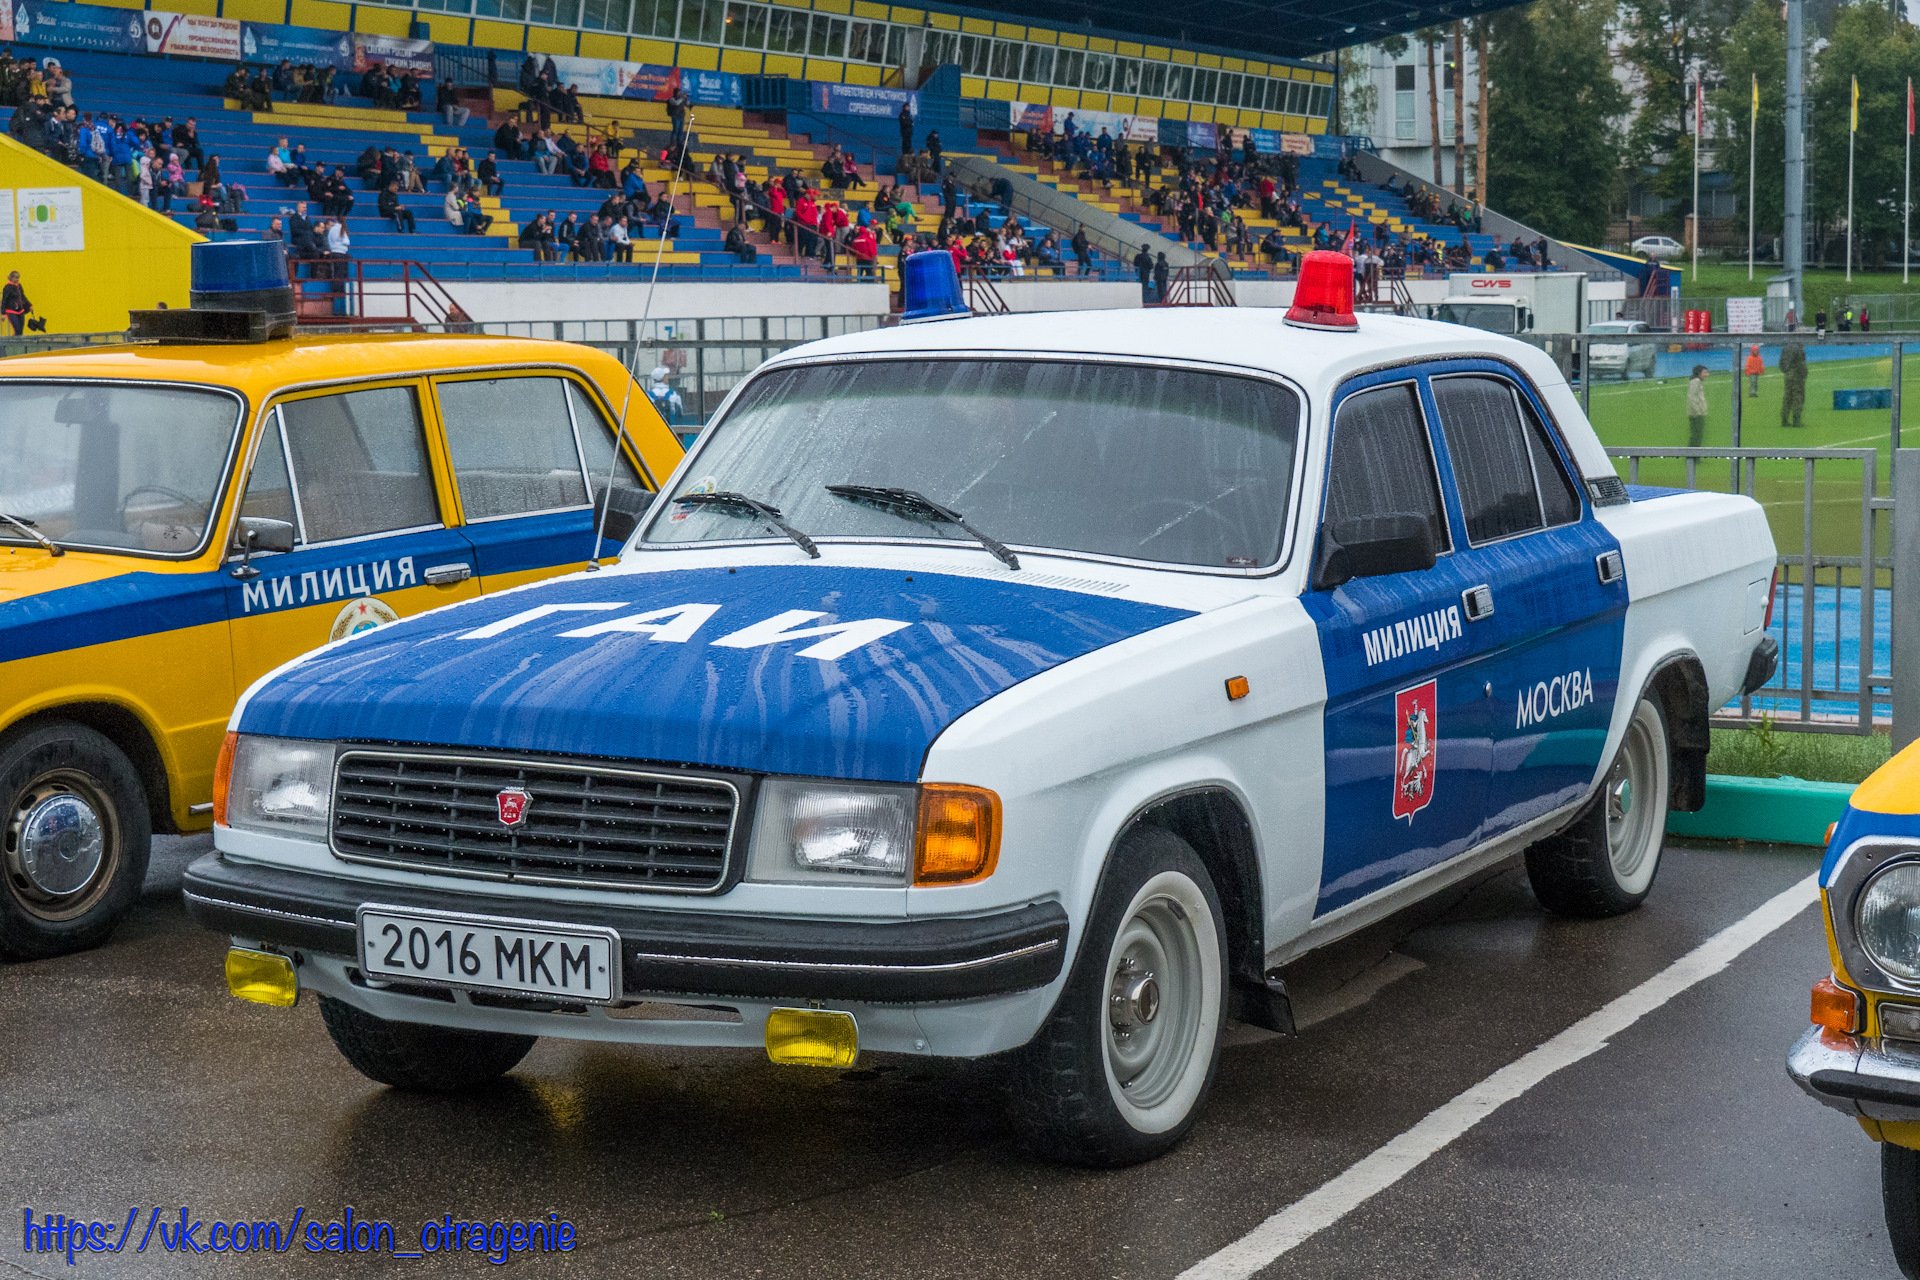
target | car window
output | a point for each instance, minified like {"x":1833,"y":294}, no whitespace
{"x":1509,"y":479}
{"x":512,"y":444}
{"x":1383,"y":461}
{"x":596,"y":441}
{"x":269,"y":488}
{"x":360,"y":463}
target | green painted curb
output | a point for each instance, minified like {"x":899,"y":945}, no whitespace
{"x":1775,"y":810}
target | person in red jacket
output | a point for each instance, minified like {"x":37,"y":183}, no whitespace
{"x":865,"y":251}
{"x":807,"y":215}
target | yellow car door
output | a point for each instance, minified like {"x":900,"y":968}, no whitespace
{"x":355,"y":471}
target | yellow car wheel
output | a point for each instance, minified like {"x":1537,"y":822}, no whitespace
{"x":1900,"y":1194}
{"x":74,"y":838}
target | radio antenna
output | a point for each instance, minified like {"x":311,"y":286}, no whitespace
{"x":646,"y":318}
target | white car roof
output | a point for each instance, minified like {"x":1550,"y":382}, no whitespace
{"x":1249,"y":337}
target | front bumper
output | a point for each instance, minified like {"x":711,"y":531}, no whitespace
{"x":1871,"y":1079}
{"x":673,"y":953}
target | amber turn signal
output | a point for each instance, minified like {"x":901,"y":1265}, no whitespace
{"x":1237,"y":688}
{"x":222,"y":777}
{"x":957,"y":839}
{"x":1835,"y":1007}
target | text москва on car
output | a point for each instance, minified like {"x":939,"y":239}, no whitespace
{"x":1029,"y":685}
{"x":183,"y":513}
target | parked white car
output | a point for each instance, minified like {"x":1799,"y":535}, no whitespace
{"x":1254,"y":631}
{"x":1620,"y":359}
{"x":1658,"y":247}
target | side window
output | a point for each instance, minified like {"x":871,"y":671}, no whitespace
{"x":1383,"y":461}
{"x":1509,"y":481}
{"x":596,"y":441}
{"x":512,"y":444}
{"x":269,"y":490}
{"x":360,"y":463}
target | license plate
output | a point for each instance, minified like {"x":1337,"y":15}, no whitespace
{"x":498,"y":955}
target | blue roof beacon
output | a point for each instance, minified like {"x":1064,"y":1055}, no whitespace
{"x":931,"y":288}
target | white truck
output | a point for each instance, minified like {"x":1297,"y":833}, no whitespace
{"x":1516,"y":303}
{"x":1032,"y":685}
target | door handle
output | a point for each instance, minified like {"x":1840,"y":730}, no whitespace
{"x":441,"y":575}
{"x":1478,"y":602}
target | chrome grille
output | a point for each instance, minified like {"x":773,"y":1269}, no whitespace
{"x":584,"y":824}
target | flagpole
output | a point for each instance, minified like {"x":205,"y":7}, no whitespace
{"x":1906,"y":203}
{"x":1698,"y":93}
{"x":1853,"y":128}
{"x":1753,"y":131}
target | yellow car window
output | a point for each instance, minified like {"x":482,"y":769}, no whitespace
{"x":360,"y":463}
{"x":512,"y":445}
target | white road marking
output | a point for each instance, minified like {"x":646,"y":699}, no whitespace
{"x":1334,"y":1200}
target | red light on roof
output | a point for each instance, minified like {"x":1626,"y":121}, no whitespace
{"x":1324,"y":297}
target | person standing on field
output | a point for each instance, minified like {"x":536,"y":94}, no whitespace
{"x":1755,"y":367}
{"x":1793,"y":367}
{"x":1697,"y":407}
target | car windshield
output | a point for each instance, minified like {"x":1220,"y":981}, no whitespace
{"x":1176,"y":466}
{"x":1493,"y":317}
{"x":1612,"y":326}
{"x":112,"y":467}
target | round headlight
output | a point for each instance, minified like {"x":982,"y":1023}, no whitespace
{"x":1890,"y":921}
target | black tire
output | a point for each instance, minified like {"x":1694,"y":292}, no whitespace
{"x":1068,"y":1102}
{"x":1900,"y":1196}
{"x":75,"y":836}
{"x":415,"y":1056}
{"x":1604,"y":862}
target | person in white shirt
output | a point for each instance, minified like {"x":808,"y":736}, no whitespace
{"x":339,"y":244}
{"x":619,"y":242}
{"x":450,"y":209}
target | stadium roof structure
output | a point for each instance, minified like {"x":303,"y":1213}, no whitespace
{"x":1271,"y":28}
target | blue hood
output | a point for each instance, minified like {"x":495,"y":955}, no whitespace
{"x":822,"y":671}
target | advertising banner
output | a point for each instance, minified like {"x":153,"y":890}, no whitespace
{"x":1296,"y":144}
{"x":862,"y":100}
{"x":9,"y":226}
{"x":6,"y":29}
{"x":1142,"y":129}
{"x":302,"y":46}
{"x":80,"y":26}
{"x":51,"y":220}
{"x":604,"y":78}
{"x":1266,"y":141}
{"x":1172,"y":133}
{"x":402,"y":53}
{"x":1030,"y":117}
{"x":190,"y":35}
{"x":1201,"y":136}
{"x":596,"y":77}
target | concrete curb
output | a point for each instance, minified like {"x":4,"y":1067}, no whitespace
{"x":1775,"y":810}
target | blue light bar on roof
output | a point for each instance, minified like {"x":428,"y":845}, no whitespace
{"x":238,"y":266}
{"x":930,"y":288}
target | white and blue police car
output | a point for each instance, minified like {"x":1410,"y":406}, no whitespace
{"x":1033,"y":685}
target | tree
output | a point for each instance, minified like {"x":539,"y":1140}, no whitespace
{"x":1668,"y":43}
{"x":1430,"y":37}
{"x":1870,"y":42}
{"x":1552,"y":116}
{"x":1756,"y":48}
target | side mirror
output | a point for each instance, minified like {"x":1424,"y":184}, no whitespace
{"x":258,"y":533}
{"x":1372,"y":547}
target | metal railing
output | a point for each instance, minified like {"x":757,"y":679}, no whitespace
{"x":362,"y":291}
{"x":1835,"y":672}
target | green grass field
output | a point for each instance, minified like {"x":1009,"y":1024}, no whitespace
{"x":1652,"y":414}
{"x":1819,"y":286}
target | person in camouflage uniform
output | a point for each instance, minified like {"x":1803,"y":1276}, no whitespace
{"x":1793,"y":366}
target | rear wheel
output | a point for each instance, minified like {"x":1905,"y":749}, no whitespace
{"x":1120,"y":1070}
{"x":1900,"y":1195}
{"x":1604,"y":863}
{"x":74,"y":840}
{"x":412,"y":1055}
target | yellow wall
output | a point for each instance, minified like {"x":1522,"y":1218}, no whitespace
{"x":133,"y":258}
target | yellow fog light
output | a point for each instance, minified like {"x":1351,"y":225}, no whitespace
{"x":812,"y":1038}
{"x":262,"y":977}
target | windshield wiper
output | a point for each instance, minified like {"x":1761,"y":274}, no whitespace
{"x":911,"y":500}
{"x":26,"y":526}
{"x":728,"y":500}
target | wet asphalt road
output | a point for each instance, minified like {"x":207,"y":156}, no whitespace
{"x":127,"y":1076}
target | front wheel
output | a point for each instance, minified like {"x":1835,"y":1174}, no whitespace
{"x":74,"y":840}
{"x":1118,"y":1073}
{"x":1900,"y":1195}
{"x":1603,"y":864}
{"x":415,"y":1056}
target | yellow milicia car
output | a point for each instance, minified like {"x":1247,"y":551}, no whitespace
{"x":1862,"y":1054}
{"x":178,"y":518}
